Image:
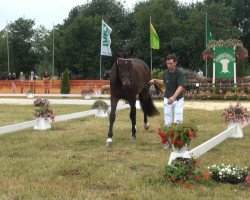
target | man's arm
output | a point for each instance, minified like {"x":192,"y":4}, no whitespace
{"x":157,"y":82}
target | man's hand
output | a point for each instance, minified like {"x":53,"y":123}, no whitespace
{"x":171,"y":100}
{"x":152,"y":81}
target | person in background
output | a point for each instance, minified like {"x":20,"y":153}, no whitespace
{"x":173,"y":79}
{"x":46,"y":78}
{"x":9,"y":76}
{"x":21,"y":80}
{"x":32,"y":81}
{"x":13,"y":83}
{"x":200,"y":72}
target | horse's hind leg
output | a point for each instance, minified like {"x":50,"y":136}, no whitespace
{"x":133,"y":118}
{"x":142,"y":97}
{"x":146,"y":124}
{"x":112,"y":116}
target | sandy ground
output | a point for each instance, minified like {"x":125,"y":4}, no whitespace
{"x":209,"y":105}
{"x":206,"y":105}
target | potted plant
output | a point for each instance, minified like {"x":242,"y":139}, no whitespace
{"x":185,"y":171}
{"x":235,"y":114}
{"x":87,"y":92}
{"x":228,"y":173}
{"x":180,"y":134}
{"x":102,"y":108}
{"x":30,"y":93}
{"x":43,"y":113}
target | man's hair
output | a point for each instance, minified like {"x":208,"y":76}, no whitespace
{"x":172,"y":56}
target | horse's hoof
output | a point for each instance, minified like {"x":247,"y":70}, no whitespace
{"x":109,"y":142}
{"x":133,"y":137}
{"x":146,"y":126}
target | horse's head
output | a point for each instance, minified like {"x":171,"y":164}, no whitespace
{"x":125,"y":67}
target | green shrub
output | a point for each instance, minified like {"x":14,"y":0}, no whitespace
{"x":65,"y":86}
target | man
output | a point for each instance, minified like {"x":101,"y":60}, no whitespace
{"x":173,"y":79}
{"x":32,"y":81}
{"x":46,"y":78}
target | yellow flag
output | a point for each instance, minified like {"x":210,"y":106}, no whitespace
{"x":154,"y":38}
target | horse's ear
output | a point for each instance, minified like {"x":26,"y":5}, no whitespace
{"x":131,"y":53}
{"x":117,"y":54}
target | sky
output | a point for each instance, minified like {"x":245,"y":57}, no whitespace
{"x":46,"y":12}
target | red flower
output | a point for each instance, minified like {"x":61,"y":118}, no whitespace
{"x":197,"y":177}
{"x":189,"y":185}
{"x":163,"y":136}
{"x":191,"y":134}
{"x":181,"y":181}
{"x":207,"y":176}
{"x":173,"y":142}
{"x":171,"y":134}
{"x":248,"y":179}
{"x":174,"y":178}
{"x":180,"y":143}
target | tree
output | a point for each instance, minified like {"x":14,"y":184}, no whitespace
{"x":77,"y":42}
{"x":65,"y":86}
{"x":22,"y":55}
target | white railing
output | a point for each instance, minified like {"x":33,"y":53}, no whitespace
{"x":234,"y":131}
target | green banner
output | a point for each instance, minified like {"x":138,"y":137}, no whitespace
{"x":224,"y":62}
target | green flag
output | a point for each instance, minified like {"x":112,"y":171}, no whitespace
{"x":208,"y":33}
{"x":224,"y":62}
{"x":154,"y":38}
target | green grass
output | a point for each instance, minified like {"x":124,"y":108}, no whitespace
{"x":71,"y":161}
{"x":12,"y":114}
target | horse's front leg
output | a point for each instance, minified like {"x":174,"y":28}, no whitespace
{"x":133,"y":118}
{"x":112,"y":116}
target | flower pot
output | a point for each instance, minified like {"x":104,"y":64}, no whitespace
{"x":182,"y":152}
{"x":182,"y":149}
{"x":42,"y":124}
{"x":238,"y":133}
{"x":87,"y":96}
{"x":30,"y":95}
{"x":101,"y":113}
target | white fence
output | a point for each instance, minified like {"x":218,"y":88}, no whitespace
{"x":234,"y":131}
{"x":29,"y":124}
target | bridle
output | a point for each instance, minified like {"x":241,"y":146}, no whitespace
{"x":128,"y":75}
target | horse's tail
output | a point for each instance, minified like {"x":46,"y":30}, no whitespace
{"x":147,"y":104}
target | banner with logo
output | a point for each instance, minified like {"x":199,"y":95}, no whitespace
{"x":105,"y":40}
{"x":224,"y":62}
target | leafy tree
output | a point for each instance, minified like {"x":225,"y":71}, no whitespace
{"x":22,"y":55}
{"x":3,"y":55}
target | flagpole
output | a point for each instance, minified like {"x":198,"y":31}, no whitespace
{"x":151,"y":61}
{"x":235,"y":83}
{"x":53,"y":52}
{"x":8,"y":51}
{"x":206,"y":42}
{"x":100,"y":66}
{"x":100,"y":73}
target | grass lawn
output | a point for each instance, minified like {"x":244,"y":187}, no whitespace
{"x":12,"y":114}
{"x":71,"y":161}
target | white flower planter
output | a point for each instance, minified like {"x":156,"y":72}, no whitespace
{"x":42,"y":124}
{"x":238,"y":133}
{"x":101,"y":113}
{"x":87,"y":96}
{"x":182,"y":152}
{"x":30,"y":95}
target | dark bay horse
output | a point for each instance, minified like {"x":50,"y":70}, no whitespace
{"x":129,"y":77}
